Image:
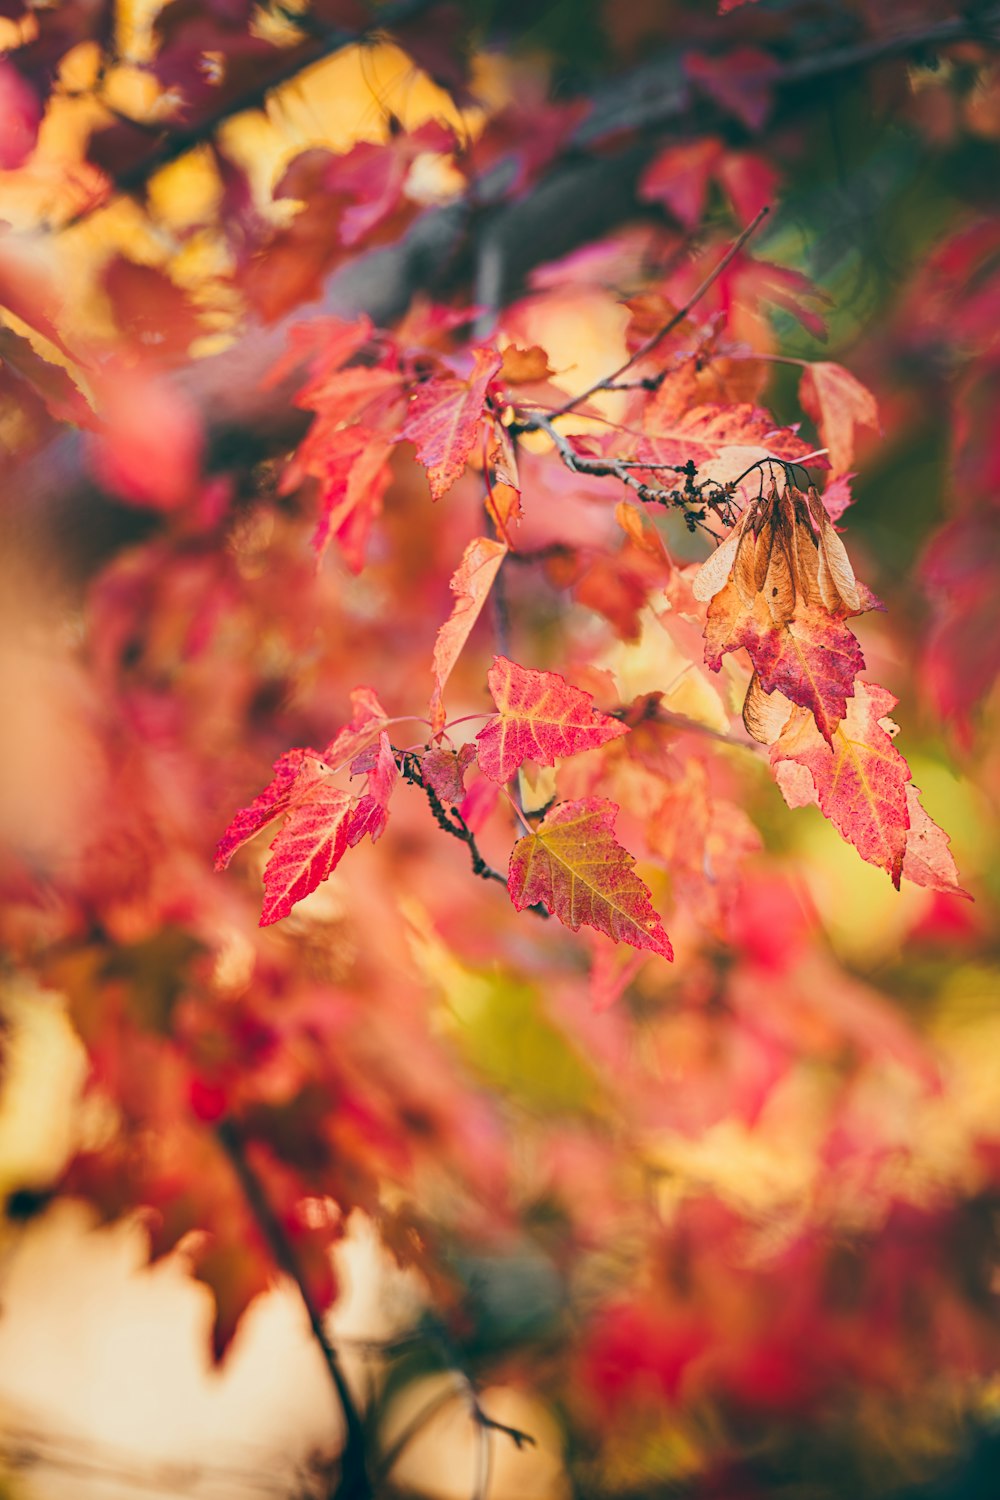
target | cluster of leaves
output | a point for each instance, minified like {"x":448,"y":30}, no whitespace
{"x":643,"y":571}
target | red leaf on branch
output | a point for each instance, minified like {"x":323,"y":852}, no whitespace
{"x":837,"y":403}
{"x":275,"y":799}
{"x":541,"y":717}
{"x":575,"y":867}
{"x":443,"y":418}
{"x":367,"y":718}
{"x":444,"y":771}
{"x":860,"y":778}
{"x":721,"y":441}
{"x":309,"y":847}
{"x":371,"y":813}
{"x":471,"y":584}
{"x":354,"y":477}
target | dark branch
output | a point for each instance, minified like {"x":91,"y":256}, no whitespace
{"x":354,"y":1480}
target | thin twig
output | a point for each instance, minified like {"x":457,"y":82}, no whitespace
{"x":622,"y":469}
{"x":355,"y":1483}
{"x":448,"y":818}
{"x":607,"y":382}
{"x":415,"y":1425}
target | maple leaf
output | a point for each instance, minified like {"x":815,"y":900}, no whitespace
{"x":541,"y":717}
{"x":443,"y":418}
{"x":803,"y":773}
{"x":575,"y":867}
{"x":928,"y":860}
{"x":471,"y":584}
{"x":444,"y":771}
{"x":837,"y":403}
{"x":354,"y":475}
{"x":679,"y":178}
{"x":375,"y":177}
{"x":313,"y":839}
{"x":275,"y":799}
{"x":722,"y":441}
{"x":309,"y":847}
{"x":372,"y":811}
{"x":860,"y":778}
{"x":809,"y":657}
{"x":367,"y":718}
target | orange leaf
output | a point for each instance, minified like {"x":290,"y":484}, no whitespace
{"x":575,"y":867}
{"x":521,"y":365}
{"x":470,"y":583}
{"x":444,"y":416}
{"x":837,"y":402}
{"x":541,"y":717}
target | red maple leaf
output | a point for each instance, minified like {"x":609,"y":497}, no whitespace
{"x":309,"y":847}
{"x":372,"y":811}
{"x":860,"y":778}
{"x":443,"y":418}
{"x":541,"y":717}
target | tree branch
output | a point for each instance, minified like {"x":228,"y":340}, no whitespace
{"x":355,"y":1483}
{"x":318,"y":46}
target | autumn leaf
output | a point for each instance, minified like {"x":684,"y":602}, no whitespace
{"x":860,"y":778}
{"x":367,"y":718}
{"x":575,"y":867}
{"x":722,"y":441}
{"x":679,"y":176}
{"x":837,"y":403}
{"x":291,"y":771}
{"x":522,"y":366}
{"x":443,"y":418}
{"x":308,"y":848}
{"x":471,"y":584}
{"x":810,"y":658}
{"x":541,"y":717}
{"x":312,"y":840}
{"x":354,"y":477}
{"x":928,"y":860}
{"x":444,"y":771}
{"x":372,"y":811}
